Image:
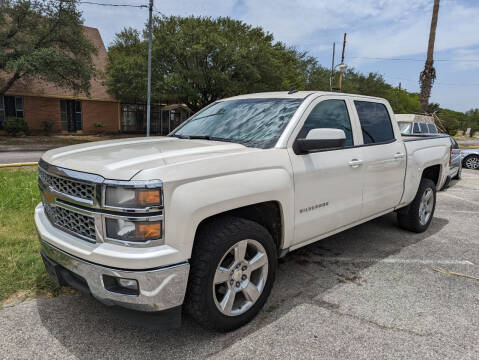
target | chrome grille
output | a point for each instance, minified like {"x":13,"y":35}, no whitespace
{"x":71,"y":221}
{"x":67,"y":186}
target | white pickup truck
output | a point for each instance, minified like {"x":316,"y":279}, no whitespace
{"x":197,"y":220}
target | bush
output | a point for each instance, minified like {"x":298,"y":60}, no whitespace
{"x":14,"y":125}
{"x":99,"y":127}
{"x":47,"y":127}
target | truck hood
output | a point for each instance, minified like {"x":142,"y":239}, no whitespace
{"x":122,"y":159}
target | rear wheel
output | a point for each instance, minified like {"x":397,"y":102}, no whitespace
{"x":472,"y":162}
{"x":233,"y":266}
{"x":421,"y":210}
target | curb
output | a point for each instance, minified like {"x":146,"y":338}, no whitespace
{"x":19,"y":164}
{"x":23,"y":149}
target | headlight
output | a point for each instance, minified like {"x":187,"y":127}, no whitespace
{"x":133,"y":197}
{"x":133,"y":230}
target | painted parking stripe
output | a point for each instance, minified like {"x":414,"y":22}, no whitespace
{"x":396,"y":260}
{"x":460,"y":198}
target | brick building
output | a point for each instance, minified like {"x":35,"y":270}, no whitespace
{"x":39,"y":102}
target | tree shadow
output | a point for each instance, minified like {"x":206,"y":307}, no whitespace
{"x":88,"y":329}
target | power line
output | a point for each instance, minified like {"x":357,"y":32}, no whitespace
{"x":409,"y":59}
{"x":435,"y":83}
{"x":110,"y":4}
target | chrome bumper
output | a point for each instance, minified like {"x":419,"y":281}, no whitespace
{"x":159,"y":289}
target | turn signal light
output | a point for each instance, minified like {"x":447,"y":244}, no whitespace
{"x":149,"y":231}
{"x":147,"y":198}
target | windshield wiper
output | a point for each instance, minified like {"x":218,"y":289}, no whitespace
{"x":205,"y":137}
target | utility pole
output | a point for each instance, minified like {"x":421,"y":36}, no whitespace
{"x":428,"y":75}
{"x":331,"y":76}
{"x":341,"y":68}
{"x":148,"y":105}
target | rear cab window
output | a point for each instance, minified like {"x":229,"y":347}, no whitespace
{"x":375,"y":122}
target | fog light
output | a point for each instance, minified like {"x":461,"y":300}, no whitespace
{"x":121,"y":285}
{"x":131,"y":284}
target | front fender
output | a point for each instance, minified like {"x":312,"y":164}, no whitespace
{"x":188,"y":204}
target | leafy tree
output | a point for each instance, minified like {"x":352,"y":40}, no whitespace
{"x":198,"y":60}
{"x":43,"y":39}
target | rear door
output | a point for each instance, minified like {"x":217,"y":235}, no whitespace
{"x":383,"y":156}
{"x":327,"y":184}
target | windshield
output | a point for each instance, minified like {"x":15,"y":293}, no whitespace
{"x":405,"y":127}
{"x":251,"y":122}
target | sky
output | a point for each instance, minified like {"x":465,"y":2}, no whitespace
{"x":378,"y":31}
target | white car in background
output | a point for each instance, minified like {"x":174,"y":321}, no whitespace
{"x":470,"y":158}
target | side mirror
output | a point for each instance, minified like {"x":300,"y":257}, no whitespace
{"x":320,"y":139}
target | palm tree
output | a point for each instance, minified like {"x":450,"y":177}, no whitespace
{"x":428,"y":75}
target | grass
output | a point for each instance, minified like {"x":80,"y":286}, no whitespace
{"x":21,"y":268}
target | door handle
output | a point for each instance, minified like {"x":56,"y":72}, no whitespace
{"x":355,"y":163}
{"x":398,"y":155}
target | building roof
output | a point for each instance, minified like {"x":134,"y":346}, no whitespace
{"x":414,"y":118}
{"x":42,"y":88}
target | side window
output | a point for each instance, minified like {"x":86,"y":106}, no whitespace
{"x":424,"y":128}
{"x":331,"y":114}
{"x":416,"y":128}
{"x":432,"y":128}
{"x":375,"y":122}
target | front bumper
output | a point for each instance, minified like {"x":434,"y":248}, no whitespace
{"x":159,"y":289}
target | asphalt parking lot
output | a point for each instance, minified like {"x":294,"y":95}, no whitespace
{"x":369,"y":292}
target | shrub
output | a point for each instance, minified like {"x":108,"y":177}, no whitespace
{"x":99,"y":127}
{"x":14,"y":125}
{"x":47,"y":127}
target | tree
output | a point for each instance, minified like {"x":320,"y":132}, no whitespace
{"x":428,"y":75}
{"x":198,"y":60}
{"x":44,"y":40}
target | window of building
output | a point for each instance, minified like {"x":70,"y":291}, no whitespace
{"x":375,"y":122}
{"x":2,"y":111}
{"x":423,"y":128}
{"x":331,"y":114}
{"x":10,"y":106}
{"x":432,"y":128}
{"x":71,"y":115}
{"x":417,"y":130}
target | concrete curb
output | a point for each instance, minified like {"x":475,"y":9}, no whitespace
{"x":7,"y":148}
{"x":19,"y":164}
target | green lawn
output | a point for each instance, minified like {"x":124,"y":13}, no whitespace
{"x":21,"y":267}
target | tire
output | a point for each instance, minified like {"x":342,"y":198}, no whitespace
{"x":412,"y":220}
{"x":471,"y":162}
{"x":215,"y":250}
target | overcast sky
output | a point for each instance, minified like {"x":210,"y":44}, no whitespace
{"x":376,"y":29}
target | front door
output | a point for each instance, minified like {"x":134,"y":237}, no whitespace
{"x":384,"y":158}
{"x":71,"y":115}
{"x":327,"y":184}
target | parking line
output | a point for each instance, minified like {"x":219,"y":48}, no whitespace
{"x":460,"y":198}
{"x":396,"y":260}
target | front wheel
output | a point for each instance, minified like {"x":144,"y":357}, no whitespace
{"x":421,"y":210}
{"x":472,"y":162}
{"x":233,"y":266}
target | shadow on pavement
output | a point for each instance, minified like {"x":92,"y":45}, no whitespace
{"x":89,"y":330}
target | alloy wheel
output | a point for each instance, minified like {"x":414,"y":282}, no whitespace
{"x":240,"y":277}
{"x":426,"y":206}
{"x":472,"y":162}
